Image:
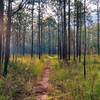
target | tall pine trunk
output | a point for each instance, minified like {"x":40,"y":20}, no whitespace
{"x":69,"y":30}
{"x":65,"y":32}
{"x":77,"y":33}
{"x":24,"y":35}
{"x":8,"y":31}
{"x":74,"y":42}
{"x":32,"y":30}
{"x":80,"y":35}
{"x":98,"y":30}
{"x":39,"y":32}
{"x":1,"y":26}
{"x":85,"y":39}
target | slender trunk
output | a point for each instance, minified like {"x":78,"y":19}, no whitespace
{"x":1,"y":26}
{"x":85,"y":39}
{"x":3,"y":46}
{"x":80,"y":36}
{"x":32,"y":29}
{"x":77,"y":34}
{"x":58,"y":39}
{"x":62,"y":31}
{"x":65,"y":33}
{"x":59,"y":56}
{"x":24,"y":33}
{"x":17,"y":44}
{"x":98,"y":41}
{"x":69,"y":29}
{"x":7,"y":50}
{"x":19,"y":34}
{"x":41,"y":28}
{"x":39,"y":33}
{"x":13,"y":44}
{"x":49,"y":40}
{"x":74,"y":43}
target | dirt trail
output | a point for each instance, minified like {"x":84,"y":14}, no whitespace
{"x":41,"y":90}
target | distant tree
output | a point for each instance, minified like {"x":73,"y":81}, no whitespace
{"x":50,"y":21}
{"x":32,"y":29}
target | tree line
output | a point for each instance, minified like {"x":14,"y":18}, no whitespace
{"x":25,"y":29}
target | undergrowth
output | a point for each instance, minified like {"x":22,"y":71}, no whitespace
{"x":21,"y":79}
{"x":68,"y":80}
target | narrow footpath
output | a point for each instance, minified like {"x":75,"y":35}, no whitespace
{"x":42,"y":87}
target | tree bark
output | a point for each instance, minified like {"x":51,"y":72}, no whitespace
{"x":8,"y":31}
{"x":98,"y":30}
{"x":39,"y":32}
{"x":32,"y":29}
{"x":1,"y":26}
{"x":69,"y":29}
{"x":85,"y":39}
{"x":65,"y":33}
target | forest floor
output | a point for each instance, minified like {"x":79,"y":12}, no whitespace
{"x":42,"y":88}
{"x":51,"y":79}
